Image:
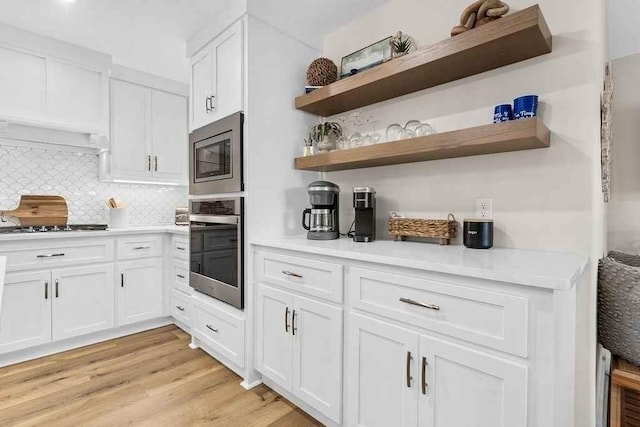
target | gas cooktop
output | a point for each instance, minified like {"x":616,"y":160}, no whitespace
{"x":54,"y":229}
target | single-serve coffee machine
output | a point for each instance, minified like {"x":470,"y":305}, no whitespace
{"x":364,"y":202}
{"x":321,"y":221}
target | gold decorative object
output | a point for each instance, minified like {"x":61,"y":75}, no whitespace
{"x":322,"y":72}
{"x":480,"y":13}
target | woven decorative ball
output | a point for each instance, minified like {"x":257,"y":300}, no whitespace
{"x":322,"y":72}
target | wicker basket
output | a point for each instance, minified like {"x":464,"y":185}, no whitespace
{"x":444,"y":230}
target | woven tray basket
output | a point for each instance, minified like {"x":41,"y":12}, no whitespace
{"x":619,"y":305}
{"x":442,"y":229}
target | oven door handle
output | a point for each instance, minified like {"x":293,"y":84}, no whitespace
{"x":215,"y":219}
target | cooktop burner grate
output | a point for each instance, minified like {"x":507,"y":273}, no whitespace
{"x":54,"y":229}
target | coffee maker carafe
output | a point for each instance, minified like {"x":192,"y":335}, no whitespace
{"x":364,"y":203}
{"x":323,"y":221}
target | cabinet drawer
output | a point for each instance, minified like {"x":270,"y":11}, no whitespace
{"x":219,"y":329}
{"x":314,"y":278}
{"x":480,"y":316}
{"x":180,"y":248}
{"x":56,"y":253}
{"x":181,"y":307}
{"x":180,"y":276}
{"x":139,"y":247}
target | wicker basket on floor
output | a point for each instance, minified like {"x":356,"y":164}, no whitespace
{"x":442,"y":229}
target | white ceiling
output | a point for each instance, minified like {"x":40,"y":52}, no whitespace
{"x":149,"y":35}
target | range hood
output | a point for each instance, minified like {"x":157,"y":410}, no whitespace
{"x":17,"y":131}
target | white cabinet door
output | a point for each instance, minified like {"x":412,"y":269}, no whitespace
{"x":228,"y":76}
{"x":274,"y":336}
{"x":23,"y":84}
{"x":201,"y":88}
{"x":317,"y":355}
{"x":130,"y":139}
{"x":464,"y":387}
{"x":25,"y":315}
{"x":382,"y":374}
{"x":140,"y":290}
{"x":169,"y":136}
{"x":83,"y":300}
{"x":77,"y":96}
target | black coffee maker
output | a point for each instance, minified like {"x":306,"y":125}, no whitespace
{"x":364,"y":202}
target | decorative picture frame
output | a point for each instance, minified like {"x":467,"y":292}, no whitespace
{"x":365,"y":58}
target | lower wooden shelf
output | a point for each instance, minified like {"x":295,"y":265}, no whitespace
{"x":514,"y":135}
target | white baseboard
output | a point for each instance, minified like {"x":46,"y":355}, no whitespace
{"x":247,"y":386}
{"x":76,"y":342}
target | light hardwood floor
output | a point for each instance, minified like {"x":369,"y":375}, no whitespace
{"x":146,"y":379}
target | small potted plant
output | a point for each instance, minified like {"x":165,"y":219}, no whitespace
{"x":401,"y":44}
{"x":325,"y":136}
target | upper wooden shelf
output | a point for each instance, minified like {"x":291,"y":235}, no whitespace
{"x":514,"y":135}
{"x":513,"y":38}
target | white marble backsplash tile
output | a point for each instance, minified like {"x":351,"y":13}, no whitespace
{"x":75,"y":177}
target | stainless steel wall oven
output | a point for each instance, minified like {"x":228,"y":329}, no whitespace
{"x":217,"y":248}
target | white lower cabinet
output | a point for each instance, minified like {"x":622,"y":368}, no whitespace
{"x":300,"y":348}
{"x":397,"y":376}
{"x":46,"y":306}
{"x":83,"y":300}
{"x":140,"y":290}
{"x":25,"y":316}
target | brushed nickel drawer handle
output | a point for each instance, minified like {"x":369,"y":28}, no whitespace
{"x":179,"y":307}
{"x":409,"y":377}
{"x":180,"y":276}
{"x":138,"y":248}
{"x":180,"y":248}
{"x":286,"y":320}
{"x":420,"y":304}
{"x":212,"y":328}
{"x":289,"y":273}
{"x":50,"y":255}
{"x":424,"y":375}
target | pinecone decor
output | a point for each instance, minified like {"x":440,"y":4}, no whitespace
{"x":322,"y":72}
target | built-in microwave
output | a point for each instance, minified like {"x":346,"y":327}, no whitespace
{"x":215,"y":157}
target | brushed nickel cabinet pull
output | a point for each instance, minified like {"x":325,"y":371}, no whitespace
{"x":293,"y":323}
{"x":180,"y":248}
{"x":213,"y":98}
{"x":424,"y":375}
{"x":46,"y":289}
{"x":57,"y":289}
{"x":286,"y":320}
{"x":149,"y":163}
{"x":179,"y":307}
{"x":139,"y":248}
{"x":409,"y":378}
{"x":212,"y":328}
{"x":207,"y":100}
{"x":122,"y":280}
{"x":420,"y":304}
{"x":289,"y":273}
{"x":155,"y":158}
{"x":180,"y":276}
{"x":50,"y":255}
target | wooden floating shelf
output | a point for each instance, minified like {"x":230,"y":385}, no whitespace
{"x":513,"y":38}
{"x":514,"y":135}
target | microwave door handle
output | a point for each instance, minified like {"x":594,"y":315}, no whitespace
{"x":215,"y":219}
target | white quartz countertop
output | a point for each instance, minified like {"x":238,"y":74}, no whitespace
{"x":551,"y":270}
{"x":172,"y":229}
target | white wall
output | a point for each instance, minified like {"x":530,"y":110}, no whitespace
{"x":624,"y":208}
{"x":548,"y":199}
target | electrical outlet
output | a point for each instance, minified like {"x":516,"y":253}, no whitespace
{"x":484,"y":208}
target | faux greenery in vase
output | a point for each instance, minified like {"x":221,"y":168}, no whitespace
{"x":325,"y":135}
{"x":401,"y":44}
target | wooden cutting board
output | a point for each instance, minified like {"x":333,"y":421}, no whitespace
{"x":40,"y":210}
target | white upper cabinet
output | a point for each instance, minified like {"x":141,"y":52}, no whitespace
{"x":130,"y":144}
{"x":149,"y":135}
{"x":169,"y":135}
{"x":217,"y":78}
{"x":23,"y":84}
